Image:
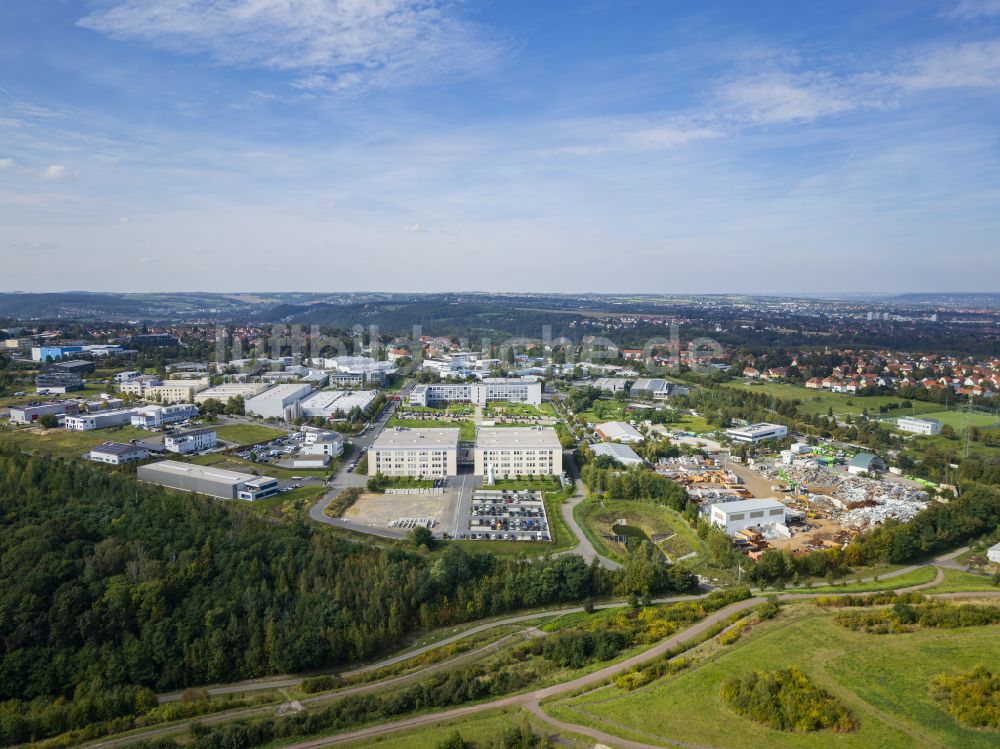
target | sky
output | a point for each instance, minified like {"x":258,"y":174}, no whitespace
{"x":565,"y":146}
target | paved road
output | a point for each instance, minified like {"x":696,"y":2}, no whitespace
{"x":583,"y":547}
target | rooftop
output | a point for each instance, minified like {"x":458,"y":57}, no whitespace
{"x":199,"y":472}
{"x":747,"y":505}
{"x":615,"y":450}
{"x":506,"y":437}
{"x":115,"y":448}
{"x":280,"y":392}
{"x":401,"y":437}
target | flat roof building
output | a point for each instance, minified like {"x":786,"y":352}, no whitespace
{"x":191,"y":441}
{"x":918,"y":426}
{"x":214,"y":482}
{"x":224,"y":392}
{"x":327,"y":403}
{"x":619,"y":431}
{"x":430,"y":453}
{"x":503,"y":452}
{"x":491,"y":389}
{"x":621,"y":453}
{"x":733,"y":517}
{"x":757,"y":432}
{"x":118,"y":453}
{"x":278,"y":402}
{"x":100,"y":420}
{"x":30,"y":414}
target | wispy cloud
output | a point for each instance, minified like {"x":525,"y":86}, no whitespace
{"x":969,"y":65}
{"x":972,"y":9}
{"x":6,"y":164}
{"x":53,"y":172}
{"x":335,"y":46}
{"x":785,"y":97}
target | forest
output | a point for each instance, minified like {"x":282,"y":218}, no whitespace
{"x":109,"y":586}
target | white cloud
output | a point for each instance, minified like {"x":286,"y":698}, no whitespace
{"x":336,"y":46}
{"x":412,"y":228}
{"x":971,"y":9}
{"x":53,"y":172}
{"x":6,"y":164}
{"x":969,"y":65}
{"x":782,"y":97}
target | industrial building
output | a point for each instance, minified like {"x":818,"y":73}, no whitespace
{"x":733,"y":517}
{"x":918,"y":426}
{"x":619,"y":431}
{"x":356,"y":371}
{"x":74,"y":366}
{"x":491,"y":389}
{"x":503,"y":452}
{"x":191,"y":441}
{"x":224,"y":392}
{"x":866,"y":463}
{"x":656,"y":388}
{"x":100,"y":420}
{"x":214,"y":482}
{"x":118,"y":453}
{"x":757,"y":432}
{"x":327,"y":403}
{"x":430,"y":453}
{"x":621,"y":453}
{"x":612,"y":384}
{"x":279,"y":402}
{"x":58,"y":382}
{"x":154,"y":417}
{"x":32,"y":413}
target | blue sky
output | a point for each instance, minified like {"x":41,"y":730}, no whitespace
{"x":539,"y":146}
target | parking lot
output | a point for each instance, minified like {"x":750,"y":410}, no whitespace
{"x":507,"y":515}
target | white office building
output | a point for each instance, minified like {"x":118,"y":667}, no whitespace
{"x":192,"y":441}
{"x":491,"y":389}
{"x":100,"y":420}
{"x":918,"y":426}
{"x":427,"y":453}
{"x":327,"y":403}
{"x":733,"y":517}
{"x":503,"y":452}
{"x":279,"y":402}
{"x":322,"y":443}
{"x":154,"y":417}
{"x":757,"y":432}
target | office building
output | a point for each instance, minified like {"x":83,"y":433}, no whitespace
{"x":279,"y":402}
{"x":428,"y":453}
{"x":138,"y":383}
{"x":58,"y":382}
{"x":322,"y":442}
{"x":154,"y":417}
{"x":175,"y":391}
{"x":214,"y":482}
{"x":491,"y":389}
{"x":100,"y":420}
{"x":619,"y":431}
{"x":191,"y":441}
{"x":118,"y":453}
{"x":733,"y":517}
{"x":503,"y":452}
{"x":757,"y":432}
{"x":919,"y":426}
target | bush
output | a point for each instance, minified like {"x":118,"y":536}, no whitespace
{"x":972,"y":698}
{"x":786,"y":700}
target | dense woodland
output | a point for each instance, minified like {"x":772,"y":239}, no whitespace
{"x":108,"y":584}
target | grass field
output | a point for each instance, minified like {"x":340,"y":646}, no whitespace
{"x":650,"y":518}
{"x":481,"y":730}
{"x":518,"y":409}
{"x":64,"y":443}
{"x":246,"y":434}
{"x":956,"y":580}
{"x":820,"y":401}
{"x":467,"y":429}
{"x":959,"y":420}
{"x":882,"y":679}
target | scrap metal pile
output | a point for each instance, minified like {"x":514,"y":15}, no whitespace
{"x":854,"y":502}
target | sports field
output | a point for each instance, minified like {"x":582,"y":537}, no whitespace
{"x":960,"y":420}
{"x":882,"y":679}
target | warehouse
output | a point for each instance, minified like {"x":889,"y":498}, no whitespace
{"x":733,"y":517}
{"x":280,"y":402}
{"x":328,"y":403}
{"x":224,"y":392}
{"x":428,"y":453}
{"x":757,"y":432}
{"x":118,"y":453}
{"x":503,"y":452}
{"x":100,"y":420}
{"x":620,"y":453}
{"x":31,"y":414}
{"x":214,"y":482}
{"x":619,"y":431}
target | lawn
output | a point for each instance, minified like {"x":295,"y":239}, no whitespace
{"x":503,"y":408}
{"x":467,"y":429}
{"x":820,"y":401}
{"x":246,"y":434}
{"x":918,"y":576}
{"x":956,"y":580}
{"x":959,"y":419}
{"x":882,"y":679}
{"x":64,"y":443}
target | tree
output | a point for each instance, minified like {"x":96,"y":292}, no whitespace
{"x":49,"y":421}
{"x":421,"y":536}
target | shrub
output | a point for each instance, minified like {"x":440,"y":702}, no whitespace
{"x":972,"y":698}
{"x":786,"y":700}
